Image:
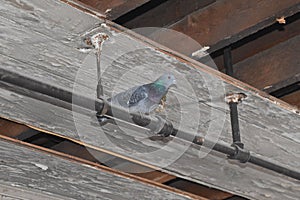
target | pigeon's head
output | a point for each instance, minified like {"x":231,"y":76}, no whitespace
{"x":166,"y":80}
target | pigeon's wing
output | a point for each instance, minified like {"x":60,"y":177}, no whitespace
{"x":138,"y":95}
{"x":144,"y":106}
{"x":130,"y":97}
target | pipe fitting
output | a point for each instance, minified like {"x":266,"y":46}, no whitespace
{"x":240,"y":154}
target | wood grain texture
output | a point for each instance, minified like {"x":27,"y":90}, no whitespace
{"x":12,"y":192}
{"x":166,"y":13}
{"x":11,"y":129}
{"x":272,"y":65}
{"x":117,"y":7}
{"x":46,"y":51}
{"x":293,"y":98}
{"x":263,"y":42}
{"x":230,"y":20}
{"x":49,"y":175}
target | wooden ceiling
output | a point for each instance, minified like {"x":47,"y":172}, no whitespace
{"x":48,"y":150}
{"x":264,"y":50}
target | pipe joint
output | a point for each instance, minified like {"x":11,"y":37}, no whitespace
{"x":240,"y":154}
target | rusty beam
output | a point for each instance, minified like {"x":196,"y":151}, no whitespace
{"x":270,"y":66}
{"x":167,"y":13}
{"x":227,"y":21}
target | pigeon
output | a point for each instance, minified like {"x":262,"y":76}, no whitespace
{"x":145,"y":98}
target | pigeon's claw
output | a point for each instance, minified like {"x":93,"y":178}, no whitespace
{"x":162,"y":104}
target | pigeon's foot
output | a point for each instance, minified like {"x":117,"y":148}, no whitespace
{"x":101,"y":120}
{"x":160,"y":138}
{"x":104,"y":120}
{"x":162,"y":104}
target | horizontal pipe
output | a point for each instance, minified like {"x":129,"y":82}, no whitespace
{"x":66,"y":97}
{"x":274,"y":167}
{"x":49,"y":90}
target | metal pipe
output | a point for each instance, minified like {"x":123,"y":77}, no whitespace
{"x":236,"y":137}
{"x":274,"y":167}
{"x":166,"y":129}
{"x":99,"y":84}
{"x":228,"y":61}
{"x":49,"y":90}
{"x":97,"y":41}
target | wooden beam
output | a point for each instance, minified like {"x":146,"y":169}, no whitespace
{"x":260,"y":41}
{"x":166,"y":13}
{"x":201,"y":190}
{"x":11,"y":129}
{"x":270,"y":66}
{"x":211,"y":164}
{"x":227,"y":21}
{"x":282,"y":84}
{"x":157,"y":176}
{"x":24,"y":168}
{"x":76,"y":150}
{"x":260,"y":114}
{"x":8,"y":192}
{"x":293,"y":98}
{"x":114,"y":8}
{"x":91,"y":155}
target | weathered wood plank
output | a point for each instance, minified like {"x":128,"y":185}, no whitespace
{"x":212,"y":170}
{"x":271,"y":66}
{"x":115,"y":8}
{"x":166,"y":13}
{"x":293,"y":98}
{"x":225,"y":22}
{"x":12,"y":192}
{"x":267,"y":128}
{"x":263,"y":40}
{"x":157,"y":176}
{"x":201,"y":190}
{"x":283,"y":84}
{"x":10,"y":129}
{"x":33,"y":170}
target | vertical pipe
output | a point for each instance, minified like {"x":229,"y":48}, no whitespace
{"x":228,"y":61}
{"x":99,"y":83}
{"x":235,"y":124}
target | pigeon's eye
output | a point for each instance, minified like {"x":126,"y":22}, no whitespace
{"x":169,"y":77}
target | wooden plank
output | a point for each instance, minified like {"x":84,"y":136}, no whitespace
{"x":262,"y":40}
{"x":157,"y":176}
{"x":115,"y":8}
{"x":24,"y":168}
{"x":11,"y":129}
{"x":8,"y":192}
{"x":277,"y":63}
{"x":283,"y":84}
{"x":166,"y":13}
{"x":210,"y":165}
{"x":76,"y":150}
{"x":227,"y":21}
{"x":265,"y":123}
{"x":293,"y":99}
{"x":201,"y":190}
